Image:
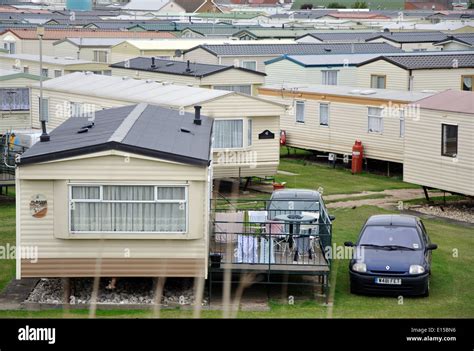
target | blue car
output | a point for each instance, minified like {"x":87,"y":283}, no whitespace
{"x":391,"y":256}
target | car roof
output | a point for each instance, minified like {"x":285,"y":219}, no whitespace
{"x":393,"y":220}
{"x":302,"y":194}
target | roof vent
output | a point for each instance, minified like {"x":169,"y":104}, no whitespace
{"x":149,"y":81}
{"x":197,"y":115}
{"x":153,"y":62}
{"x":169,"y":64}
{"x":182,"y":130}
{"x":354,"y":91}
{"x":188,"y":66}
{"x":125,"y":78}
{"x":88,"y":73}
{"x":327,"y":49}
{"x":367,"y":92}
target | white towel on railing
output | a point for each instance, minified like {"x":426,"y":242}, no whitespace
{"x":247,"y":249}
{"x":267,"y":251}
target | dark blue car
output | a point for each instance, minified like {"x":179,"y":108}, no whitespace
{"x":391,"y":256}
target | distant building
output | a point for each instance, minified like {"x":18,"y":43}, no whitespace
{"x":437,"y":5}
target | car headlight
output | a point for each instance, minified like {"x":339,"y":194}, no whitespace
{"x":416,"y":269}
{"x":359,"y":267}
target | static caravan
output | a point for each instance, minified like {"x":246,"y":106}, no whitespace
{"x":25,"y":40}
{"x":253,"y":56}
{"x":417,"y":72}
{"x":410,"y":41}
{"x":194,"y":74}
{"x":439,"y":150}
{"x":15,"y":99}
{"x":53,"y":66}
{"x":246,"y":128}
{"x":89,"y":49}
{"x":126,"y":196}
{"x":330,"y":118}
{"x":457,"y":42}
{"x":315,"y":69}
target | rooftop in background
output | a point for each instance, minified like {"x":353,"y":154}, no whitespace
{"x":92,"y":42}
{"x":177,"y":67}
{"x":339,"y":90}
{"x":133,"y":90}
{"x":342,"y":36}
{"x":143,"y":129}
{"x":297,"y":49}
{"x":47,"y":59}
{"x":446,"y":60}
{"x":449,"y":100}
{"x":7,"y":74}
{"x":56,"y":34}
{"x":411,"y":37}
{"x":325,"y":60}
{"x":463,"y":38}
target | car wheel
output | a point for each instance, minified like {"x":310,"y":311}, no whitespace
{"x":352,"y":289}
{"x":427,"y":290}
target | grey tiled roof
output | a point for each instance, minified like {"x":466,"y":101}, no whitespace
{"x":429,"y":61}
{"x":411,"y":37}
{"x":297,"y":49}
{"x":176,"y":67}
{"x":144,"y":129}
{"x":345,"y":36}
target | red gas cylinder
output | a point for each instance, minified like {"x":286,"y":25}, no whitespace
{"x":357,"y":156}
{"x":282,"y":138}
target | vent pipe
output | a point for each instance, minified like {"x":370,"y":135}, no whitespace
{"x":197,"y":115}
{"x":188,"y":66}
{"x":153,"y":62}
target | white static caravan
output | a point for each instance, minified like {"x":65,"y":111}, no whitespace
{"x":439,"y":145}
{"x":330,"y":118}
{"x":125,"y":197}
{"x":246,"y":129}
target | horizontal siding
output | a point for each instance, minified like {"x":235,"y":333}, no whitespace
{"x":201,"y":56}
{"x":14,"y":120}
{"x":396,"y":77}
{"x":423,"y":163}
{"x":127,"y":267}
{"x":347,"y":122}
{"x":439,"y":79}
{"x":285,"y":71}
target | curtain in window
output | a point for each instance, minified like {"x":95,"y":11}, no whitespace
{"x":329,"y":77}
{"x":324,"y":114}
{"x":299,"y":111}
{"x":244,"y":89}
{"x":377,"y":82}
{"x":228,"y":134}
{"x":16,"y":99}
{"x":375,"y":119}
{"x":129,"y":209}
{"x":467,"y":83}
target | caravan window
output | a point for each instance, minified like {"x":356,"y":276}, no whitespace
{"x":449,"y":140}
{"x":128,"y":209}
{"x":15,"y":99}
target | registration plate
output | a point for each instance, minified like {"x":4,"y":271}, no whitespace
{"x":388,"y":281}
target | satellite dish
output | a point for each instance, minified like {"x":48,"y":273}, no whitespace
{"x":178,"y":53}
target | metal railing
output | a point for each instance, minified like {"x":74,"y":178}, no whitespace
{"x":277,"y":235}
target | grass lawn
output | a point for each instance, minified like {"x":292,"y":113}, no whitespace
{"x":451,"y":285}
{"x":334,"y":181}
{"x":373,"y":4}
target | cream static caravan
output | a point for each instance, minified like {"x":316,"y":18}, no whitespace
{"x":246,"y":129}
{"x":127,"y":196}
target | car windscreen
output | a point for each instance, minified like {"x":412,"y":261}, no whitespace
{"x":391,"y":236}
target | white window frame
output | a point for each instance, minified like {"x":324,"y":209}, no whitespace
{"x":101,"y":195}
{"x":402,"y":123}
{"x":247,"y":61}
{"x":329,"y":114}
{"x":443,"y":154}
{"x":245,"y":132}
{"x":374,"y":116}
{"x":216,"y":87}
{"x":60,"y":73}
{"x":303,"y":103}
{"x":324,"y":76}
{"x":97,"y":56}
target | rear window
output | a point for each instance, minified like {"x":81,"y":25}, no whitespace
{"x":391,"y":235}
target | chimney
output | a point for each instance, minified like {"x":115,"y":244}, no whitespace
{"x":197,"y":115}
{"x":153,"y":62}
{"x":188,"y":67}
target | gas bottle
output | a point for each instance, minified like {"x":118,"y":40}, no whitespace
{"x":357,"y":156}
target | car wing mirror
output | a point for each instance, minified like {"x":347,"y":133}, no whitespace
{"x":349,"y":243}
{"x":432,"y":247}
{"x":332,"y":217}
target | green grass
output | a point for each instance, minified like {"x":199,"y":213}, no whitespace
{"x":374,"y":4}
{"x":334,"y":181}
{"x":7,"y":236}
{"x":355,"y":198}
{"x":451,"y":286}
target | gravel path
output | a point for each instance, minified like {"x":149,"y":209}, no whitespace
{"x":461,"y":211}
{"x":127,"y":291}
